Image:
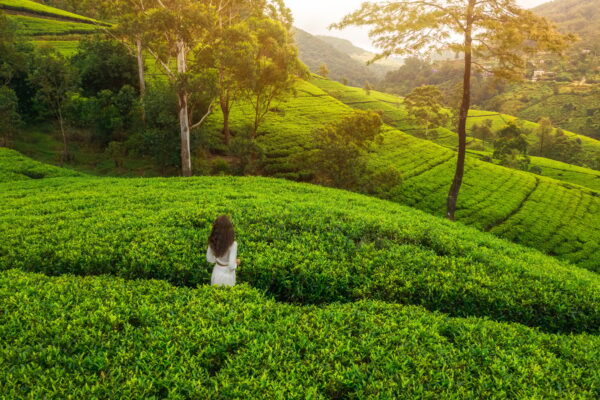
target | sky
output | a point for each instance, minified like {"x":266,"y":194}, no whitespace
{"x":314,"y":16}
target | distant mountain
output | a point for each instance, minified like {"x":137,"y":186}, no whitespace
{"x":577,"y":16}
{"x":344,"y":60}
{"x":380,"y":68}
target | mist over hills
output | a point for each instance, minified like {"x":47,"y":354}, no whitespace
{"x":344,"y":60}
{"x":577,"y":16}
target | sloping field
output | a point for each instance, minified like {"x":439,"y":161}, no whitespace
{"x":41,"y":10}
{"x":34,"y":26}
{"x":16,"y":167}
{"x":300,"y":243}
{"x":493,"y":198}
{"x":395,"y":115}
{"x":102,"y":337}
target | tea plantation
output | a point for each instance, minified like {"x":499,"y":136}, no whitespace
{"x":103,"y":337}
{"x":301,"y":243}
{"x":493,"y":198}
{"x":341,"y":296}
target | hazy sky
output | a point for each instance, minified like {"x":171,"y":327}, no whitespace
{"x":315,"y":16}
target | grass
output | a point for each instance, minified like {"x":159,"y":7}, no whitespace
{"x":101,"y":337}
{"x":42,"y":143}
{"x":300,"y":243}
{"x":568,"y":173}
{"x":34,"y":8}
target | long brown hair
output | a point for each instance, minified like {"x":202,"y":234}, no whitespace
{"x":222,"y":236}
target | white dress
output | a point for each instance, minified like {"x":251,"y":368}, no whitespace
{"x":224,"y":270}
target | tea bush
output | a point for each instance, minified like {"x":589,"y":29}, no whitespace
{"x":14,"y":166}
{"x":300,"y":243}
{"x":102,"y":337}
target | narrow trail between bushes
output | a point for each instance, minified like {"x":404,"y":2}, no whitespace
{"x":516,"y":210}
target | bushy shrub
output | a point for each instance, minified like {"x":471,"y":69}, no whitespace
{"x":300,"y":243}
{"x":102,"y":337}
{"x":104,"y":65}
{"x":10,"y":120}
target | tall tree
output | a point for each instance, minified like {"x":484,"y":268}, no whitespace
{"x":129,"y":16}
{"x":493,"y":35}
{"x":273,"y":69}
{"x":544,"y":133}
{"x":54,"y":78}
{"x":173,"y":29}
{"x":424,"y":106}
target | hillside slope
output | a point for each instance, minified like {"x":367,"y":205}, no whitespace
{"x":577,"y":16}
{"x":34,"y":19}
{"x":107,"y":338}
{"x":315,"y":52}
{"x":300,"y":243}
{"x":555,"y":217}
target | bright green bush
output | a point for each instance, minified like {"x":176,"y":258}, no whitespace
{"x":108,"y":338}
{"x":14,"y":166}
{"x":300,"y":243}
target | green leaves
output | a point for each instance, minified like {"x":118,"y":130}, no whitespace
{"x":109,"y":338}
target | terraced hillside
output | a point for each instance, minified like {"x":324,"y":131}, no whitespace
{"x":395,"y":115}
{"x":558,"y":218}
{"x":389,"y":270}
{"x":38,"y":20}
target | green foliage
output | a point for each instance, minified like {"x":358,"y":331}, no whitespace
{"x":16,"y":167}
{"x":104,"y":65}
{"x":10,"y":120}
{"x":111,"y":116}
{"x":300,"y":243}
{"x":424,"y":106}
{"x":159,"y":138}
{"x":338,"y":159}
{"x":511,"y":147}
{"x":491,"y":194}
{"x":42,"y":10}
{"x":109,"y":338}
{"x":33,"y":26}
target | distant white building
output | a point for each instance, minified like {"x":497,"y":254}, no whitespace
{"x":538,"y":75}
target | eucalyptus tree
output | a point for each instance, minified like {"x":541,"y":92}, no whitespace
{"x":273,"y":68}
{"x":172,"y":30}
{"x":495,"y":36}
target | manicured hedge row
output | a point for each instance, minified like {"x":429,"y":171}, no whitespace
{"x":14,"y":166}
{"x":300,"y":243}
{"x":103,"y":337}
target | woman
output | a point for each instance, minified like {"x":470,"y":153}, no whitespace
{"x":222,"y":251}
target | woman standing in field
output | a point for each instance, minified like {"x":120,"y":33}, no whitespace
{"x":222,"y":252}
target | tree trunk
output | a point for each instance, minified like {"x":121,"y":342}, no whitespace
{"x":140,"y":62}
{"x":184,"y":120}
{"x":226,"y":112}
{"x":463,"y":115}
{"x":141,"y":67}
{"x":65,"y":152}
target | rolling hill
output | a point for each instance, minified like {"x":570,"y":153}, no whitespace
{"x":555,"y":217}
{"x":379,"y":272}
{"x":576,"y":16}
{"x":37,"y":20}
{"x":315,"y":52}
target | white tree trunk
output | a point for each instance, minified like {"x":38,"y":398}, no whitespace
{"x":184,"y":119}
{"x":140,"y":61}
